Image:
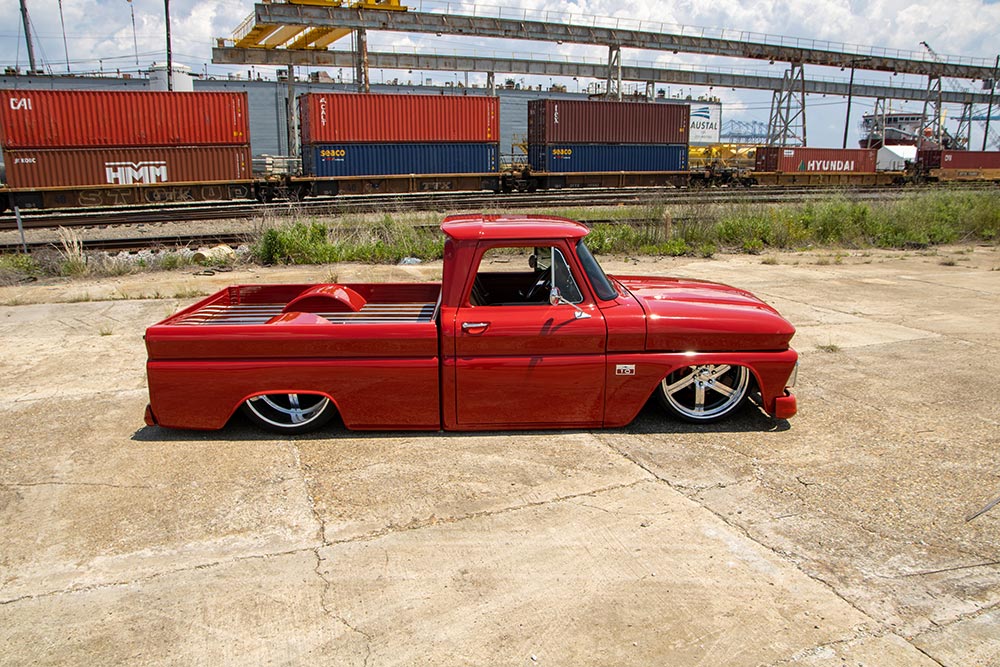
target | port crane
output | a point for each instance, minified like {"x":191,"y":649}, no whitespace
{"x":992,"y":136}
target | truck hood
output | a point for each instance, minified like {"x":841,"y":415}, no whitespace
{"x":701,"y":316}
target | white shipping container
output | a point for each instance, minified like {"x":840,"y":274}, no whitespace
{"x":706,"y":123}
{"x":894,"y":158}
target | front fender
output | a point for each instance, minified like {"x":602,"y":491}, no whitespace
{"x":628,"y":393}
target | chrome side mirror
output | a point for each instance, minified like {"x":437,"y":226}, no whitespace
{"x":556,"y":298}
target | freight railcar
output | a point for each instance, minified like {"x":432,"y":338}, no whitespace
{"x":948,"y":165}
{"x":67,"y":149}
{"x":94,"y":148}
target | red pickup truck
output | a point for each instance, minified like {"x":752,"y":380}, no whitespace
{"x":524,"y":331}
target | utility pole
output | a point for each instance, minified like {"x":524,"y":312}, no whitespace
{"x":27,"y":35}
{"x":62,"y":22}
{"x":170,"y":58}
{"x":135,"y":42}
{"x":989,"y":109}
{"x":850,"y":94}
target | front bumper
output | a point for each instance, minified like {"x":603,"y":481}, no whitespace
{"x":785,"y":406}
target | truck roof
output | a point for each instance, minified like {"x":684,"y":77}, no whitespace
{"x":504,"y":227}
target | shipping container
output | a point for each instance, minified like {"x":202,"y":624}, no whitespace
{"x":930,"y":158}
{"x":52,"y":168}
{"x":409,"y":158}
{"x":87,"y":119}
{"x":577,"y":122}
{"x":558,"y":158}
{"x":967,"y":160}
{"x":372,"y":118}
{"x":849,"y":160}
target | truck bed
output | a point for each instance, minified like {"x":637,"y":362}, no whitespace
{"x":370,"y":313}
{"x":260,"y":304}
{"x":328,"y":321}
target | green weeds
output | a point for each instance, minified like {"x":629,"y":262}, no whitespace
{"x":916,"y":221}
{"x":384,"y":241}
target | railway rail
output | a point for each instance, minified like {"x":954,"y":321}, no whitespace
{"x":451,"y":201}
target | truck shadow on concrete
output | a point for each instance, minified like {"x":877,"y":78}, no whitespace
{"x":652,"y":419}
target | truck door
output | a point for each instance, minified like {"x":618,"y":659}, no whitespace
{"x":519,"y":360}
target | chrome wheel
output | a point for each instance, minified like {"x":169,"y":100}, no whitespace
{"x":705,"y":393}
{"x":289,"y":413}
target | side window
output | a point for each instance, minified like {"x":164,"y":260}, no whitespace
{"x":521,"y":275}
{"x":564,"y":278}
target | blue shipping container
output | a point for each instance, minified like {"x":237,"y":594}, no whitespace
{"x":388,"y":159}
{"x":570,"y":158}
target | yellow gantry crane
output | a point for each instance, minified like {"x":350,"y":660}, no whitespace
{"x":252,"y":35}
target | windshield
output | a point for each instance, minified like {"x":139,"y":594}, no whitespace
{"x":598,"y":279}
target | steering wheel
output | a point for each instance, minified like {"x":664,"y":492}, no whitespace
{"x":542,"y":285}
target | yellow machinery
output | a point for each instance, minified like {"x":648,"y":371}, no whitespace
{"x":254,"y":35}
{"x":727,"y":156}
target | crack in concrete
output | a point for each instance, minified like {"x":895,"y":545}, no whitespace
{"x":947,"y":569}
{"x":320,"y":521}
{"x":927,"y":655}
{"x":389,"y":530}
{"x":327,"y":584}
{"x":153,"y":576}
{"x":150,"y":487}
{"x":19,"y":485}
{"x":744,"y":532}
{"x":860,"y":635}
{"x":797,"y":560}
{"x":417,"y":524}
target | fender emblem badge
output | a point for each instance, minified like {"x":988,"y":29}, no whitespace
{"x":625,"y":369}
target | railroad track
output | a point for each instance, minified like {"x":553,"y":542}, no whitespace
{"x":438,"y":202}
{"x":175,"y":241}
{"x":433,"y":202}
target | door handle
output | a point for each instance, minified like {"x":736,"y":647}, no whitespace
{"x":468,"y":326}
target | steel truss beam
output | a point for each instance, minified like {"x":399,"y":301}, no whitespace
{"x":787,"y":124}
{"x":429,"y":62}
{"x":933,"y":121}
{"x":480,"y":26}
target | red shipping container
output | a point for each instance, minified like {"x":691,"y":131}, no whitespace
{"x":373,"y":118}
{"x":930,"y":158}
{"x":84,"y":118}
{"x":970,"y":160}
{"x":53,"y":168}
{"x":577,"y":122}
{"x":839,"y":160}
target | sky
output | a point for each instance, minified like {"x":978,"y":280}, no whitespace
{"x":99,"y":37}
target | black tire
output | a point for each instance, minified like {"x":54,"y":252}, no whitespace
{"x":705,"y":393}
{"x":290,"y":414}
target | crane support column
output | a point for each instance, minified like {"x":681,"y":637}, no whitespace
{"x":290,"y":111}
{"x":361,"y":61}
{"x":787,"y":123}
{"x":614,"y":87}
{"x":932,"y":102}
